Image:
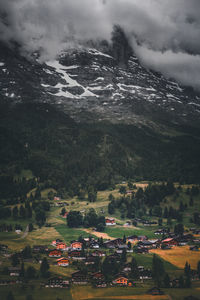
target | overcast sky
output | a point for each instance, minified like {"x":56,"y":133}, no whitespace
{"x":165,"y":34}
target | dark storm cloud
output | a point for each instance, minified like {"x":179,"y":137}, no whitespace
{"x":164,"y":34}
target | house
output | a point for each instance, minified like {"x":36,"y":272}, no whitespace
{"x":14,"y":271}
{"x":127,"y":268}
{"x":145,"y":244}
{"x":63,"y":262}
{"x":132,"y":238}
{"x":97,"y":276}
{"x":55,"y":253}
{"x":155,"y":291}
{"x":144,"y":273}
{"x":79,"y":278}
{"x":76,"y":245}
{"x":127,"y":224}
{"x":94,"y":245}
{"x":40,"y":249}
{"x":194,"y":248}
{"x":55,"y":242}
{"x":114,"y":257}
{"x":142,"y":238}
{"x":65,"y":215}
{"x":90,"y":260}
{"x":141,"y":250}
{"x":110,"y":222}
{"x":3,"y":247}
{"x":98,"y":253}
{"x":100,"y":284}
{"x":76,"y":255}
{"x":61,"y":246}
{"x":169,"y":242}
{"x":121,"y":281}
{"x":57,"y":282}
{"x":109,"y":245}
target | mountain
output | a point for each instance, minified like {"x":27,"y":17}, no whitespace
{"x":93,"y":117}
{"x":88,"y":84}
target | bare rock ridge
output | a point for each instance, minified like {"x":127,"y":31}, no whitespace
{"x":89,"y":84}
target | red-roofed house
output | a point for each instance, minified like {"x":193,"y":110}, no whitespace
{"x":76,"y":246}
{"x":61,"y":246}
{"x":55,"y":253}
{"x":170,"y":242}
{"x":63,"y":262}
{"x":110,"y":222}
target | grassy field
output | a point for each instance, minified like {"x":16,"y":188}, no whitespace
{"x":117,"y":231}
{"x":179,"y":255}
{"x":37,"y":292}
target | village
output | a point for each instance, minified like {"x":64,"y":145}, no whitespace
{"x":88,"y":256}
{"x":138,"y":254}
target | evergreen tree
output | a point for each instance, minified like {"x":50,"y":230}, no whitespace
{"x":124,"y":239}
{"x":166,"y":281}
{"x":191,"y":203}
{"x":30,"y":227}
{"x":129,"y":245}
{"x":22,"y":271}
{"x":10,"y":296}
{"x":123,"y":256}
{"x":157,"y":269}
{"x":44,"y":268}
{"x":165,"y":214}
{"x":26,"y":252}
{"x":181,"y":206}
{"x":181,"y":282}
{"x":179,"y":229}
{"x":15,"y":212}
{"x":30,"y":272}
{"x":29,"y":297}
{"x":111,"y":208}
{"x":188,"y":281}
{"x":15,"y":260}
{"x":187,"y":269}
{"x":198,"y":268}
{"x":134,"y":269}
{"x":22,"y":212}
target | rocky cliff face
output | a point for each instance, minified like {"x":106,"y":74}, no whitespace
{"x":90,"y":85}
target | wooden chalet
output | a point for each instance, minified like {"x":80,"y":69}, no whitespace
{"x":142,"y":238}
{"x":14,"y":271}
{"x":94,"y":245}
{"x":132,"y":238}
{"x":55,"y":242}
{"x":155,"y":291}
{"x":40,"y":249}
{"x":194,"y":248}
{"x":110,"y":222}
{"x":61,"y":246}
{"x":55,"y":253}
{"x":63,"y":262}
{"x":122,"y":281}
{"x":76,"y":255}
{"x":97,"y":276}
{"x":76,"y":245}
{"x":141,"y":250}
{"x":90,"y":260}
{"x":80,"y":278}
{"x":98,"y":253}
{"x":169,"y":242}
{"x":57,"y":282}
{"x":113,"y":243}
